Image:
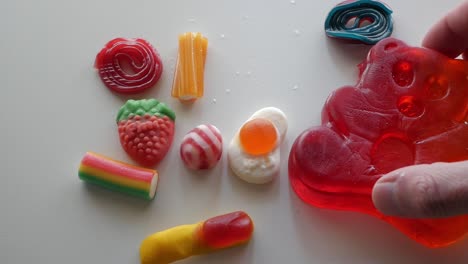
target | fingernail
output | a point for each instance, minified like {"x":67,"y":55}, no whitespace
{"x":383,"y":194}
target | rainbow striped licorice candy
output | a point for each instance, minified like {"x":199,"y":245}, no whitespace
{"x":118,"y":176}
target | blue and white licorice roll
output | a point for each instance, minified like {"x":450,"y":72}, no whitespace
{"x":365,"y":21}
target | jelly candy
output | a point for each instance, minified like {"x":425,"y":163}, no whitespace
{"x":188,"y":84}
{"x":409,"y":106}
{"x":144,"y":65}
{"x":207,"y":236}
{"x":254,"y":152}
{"x":146,"y":130}
{"x":365,"y":21}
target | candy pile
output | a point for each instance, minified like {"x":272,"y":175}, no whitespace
{"x":408,"y":107}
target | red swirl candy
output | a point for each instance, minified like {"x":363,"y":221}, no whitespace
{"x":129,"y":65}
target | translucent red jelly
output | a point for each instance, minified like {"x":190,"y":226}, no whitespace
{"x":409,"y":106}
{"x":128,"y":65}
{"x":227,"y":230}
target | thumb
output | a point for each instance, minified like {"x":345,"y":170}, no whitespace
{"x":424,"y":191}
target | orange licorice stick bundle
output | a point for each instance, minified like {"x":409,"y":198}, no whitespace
{"x":188,"y":76}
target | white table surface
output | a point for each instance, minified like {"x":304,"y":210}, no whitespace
{"x":55,"y":108}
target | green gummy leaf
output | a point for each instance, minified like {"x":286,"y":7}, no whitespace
{"x":142,"y":107}
{"x":148,"y":104}
{"x":165,"y":110}
{"x":132,"y":105}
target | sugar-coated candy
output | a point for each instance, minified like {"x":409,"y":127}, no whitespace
{"x":409,"y":106}
{"x":129,"y":65}
{"x":254,"y":152}
{"x":118,"y":176}
{"x":183,"y":241}
{"x":365,"y":21}
{"x":202,"y":147}
{"x":146,"y":130}
{"x":188,"y":84}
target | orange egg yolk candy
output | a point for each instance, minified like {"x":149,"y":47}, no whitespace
{"x":258,"y":136}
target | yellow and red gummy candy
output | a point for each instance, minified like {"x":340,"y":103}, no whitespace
{"x":118,"y":176}
{"x":188,"y":83}
{"x":183,"y":241}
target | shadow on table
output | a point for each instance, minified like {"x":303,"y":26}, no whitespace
{"x":340,"y":235}
{"x":111,"y":200}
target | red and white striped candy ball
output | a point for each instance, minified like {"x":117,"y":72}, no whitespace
{"x":202,"y":147}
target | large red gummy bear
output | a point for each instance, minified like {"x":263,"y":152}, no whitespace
{"x":409,"y":106}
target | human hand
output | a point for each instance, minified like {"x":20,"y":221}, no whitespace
{"x":450,"y":34}
{"x":439,"y":189}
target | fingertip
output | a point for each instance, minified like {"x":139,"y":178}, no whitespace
{"x":383,"y":197}
{"x":387,"y":191}
{"x":423,"y":191}
{"x":396,"y":193}
{"x":450,"y":34}
{"x":442,"y":39}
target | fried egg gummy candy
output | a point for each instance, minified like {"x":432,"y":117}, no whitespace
{"x":118,"y":176}
{"x":409,"y":106}
{"x":188,"y":83}
{"x":254,"y":152}
{"x":208,"y":236}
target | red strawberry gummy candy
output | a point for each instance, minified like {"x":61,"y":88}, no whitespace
{"x":409,"y":106}
{"x":146,"y":130}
